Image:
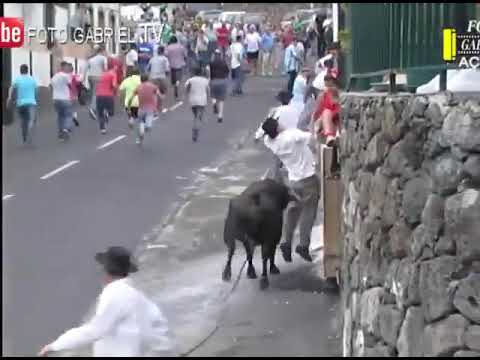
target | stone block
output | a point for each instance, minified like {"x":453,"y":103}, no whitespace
{"x":445,"y":337}
{"x":399,"y":236}
{"x":410,"y":339}
{"x":370,"y":311}
{"x":472,"y":167}
{"x":446,"y":175}
{"x":435,"y":277}
{"x":375,"y":153}
{"x":467,"y":297}
{"x":472,"y":337}
{"x":406,"y":284}
{"x":462,"y":223}
{"x":414,"y":198}
{"x":461,"y":129}
{"x":390,"y":321}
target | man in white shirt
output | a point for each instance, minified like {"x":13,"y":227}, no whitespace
{"x":125,"y":323}
{"x":292,"y":146}
{"x":198,"y":90}
{"x":252,"y":41}
{"x":131,"y":59}
{"x":236,"y":56}
{"x":96,"y":65}
{"x":287,"y":116}
{"x":60,"y":84}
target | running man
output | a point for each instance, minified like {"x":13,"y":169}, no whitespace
{"x":129,"y":85}
{"x":218,"y":82}
{"x":96,"y":65}
{"x":148,"y":95}
{"x":176,"y":54}
{"x":159,"y":68}
{"x":61,"y":85}
{"x":75,"y":82}
{"x":25,"y":90}
{"x":197,"y":91}
{"x":106,"y":89}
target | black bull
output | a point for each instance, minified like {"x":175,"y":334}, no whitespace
{"x":255,"y":217}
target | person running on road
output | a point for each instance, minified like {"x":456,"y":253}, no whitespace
{"x":159,"y":69}
{"x":201,"y":49}
{"x":292,"y":146}
{"x":223,"y":35}
{"x":237,"y":57}
{"x":96,"y":65}
{"x":125,"y":323}
{"x":176,"y":55}
{"x":148,"y":96}
{"x":129,"y":85}
{"x":131,"y":59}
{"x":291,"y":64}
{"x":252,"y":41}
{"x":25,"y":90}
{"x":197,"y":88}
{"x":61,"y":85}
{"x":267,"y":46}
{"x":218,"y":83}
{"x":106,"y":89}
{"x":145,"y":53}
{"x":75,"y":82}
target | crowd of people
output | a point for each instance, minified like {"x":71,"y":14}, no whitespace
{"x":308,"y":110}
{"x":188,"y":51}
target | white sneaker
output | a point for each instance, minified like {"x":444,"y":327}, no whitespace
{"x":103,"y":131}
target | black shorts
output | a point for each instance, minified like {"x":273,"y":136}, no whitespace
{"x":176,"y":75}
{"x":133,"y":112}
{"x":105,"y":103}
{"x":252,"y":55}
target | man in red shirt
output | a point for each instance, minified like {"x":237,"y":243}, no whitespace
{"x":148,"y":96}
{"x":223,"y":36}
{"x":105,"y":93}
{"x":118,"y":67}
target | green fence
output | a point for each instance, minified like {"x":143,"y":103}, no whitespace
{"x":401,"y":36}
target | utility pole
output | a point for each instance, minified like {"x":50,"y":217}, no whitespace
{"x":335,"y":21}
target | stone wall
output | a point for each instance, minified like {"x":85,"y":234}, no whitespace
{"x":411,"y":224}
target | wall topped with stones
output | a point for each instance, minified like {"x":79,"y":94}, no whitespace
{"x":411,"y":225}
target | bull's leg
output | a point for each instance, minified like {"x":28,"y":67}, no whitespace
{"x":276,"y":237}
{"x":229,"y":239}
{"x":249,"y":248}
{"x":273,"y":268}
{"x":227,"y":272}
{"x":265,"y":255}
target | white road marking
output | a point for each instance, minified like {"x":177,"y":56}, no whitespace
{"x":111,"y":142}
{"x":161,"y":246}
{"x":6,"y":197}
{"x":181,"y":178}
{"x":266,"y":174}
{"x":54,"y":172}
{"x":180,"y":103}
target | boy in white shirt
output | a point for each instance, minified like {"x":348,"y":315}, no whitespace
{"x":252,"y":41}
{"x":197,"y":91}
{"x":125,"y":321}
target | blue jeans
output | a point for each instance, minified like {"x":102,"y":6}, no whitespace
{"x":64,"y":114}
{"x":237,"y":77}
{"x":28,"y":116}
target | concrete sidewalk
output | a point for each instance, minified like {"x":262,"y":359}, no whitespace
{"x":295,"y":316}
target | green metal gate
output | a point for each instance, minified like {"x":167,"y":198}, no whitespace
{"x":402,"y":35}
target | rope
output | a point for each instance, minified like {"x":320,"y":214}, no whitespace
{"x":209,"y":336}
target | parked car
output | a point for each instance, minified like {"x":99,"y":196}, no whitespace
{"x":209,"y":15}
{"x":232,"y":17}
{"x":254,"y":18}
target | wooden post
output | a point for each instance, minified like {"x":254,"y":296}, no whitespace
{"x":332,"y":196}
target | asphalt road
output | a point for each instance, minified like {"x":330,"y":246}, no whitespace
{"x":63,"y":202}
